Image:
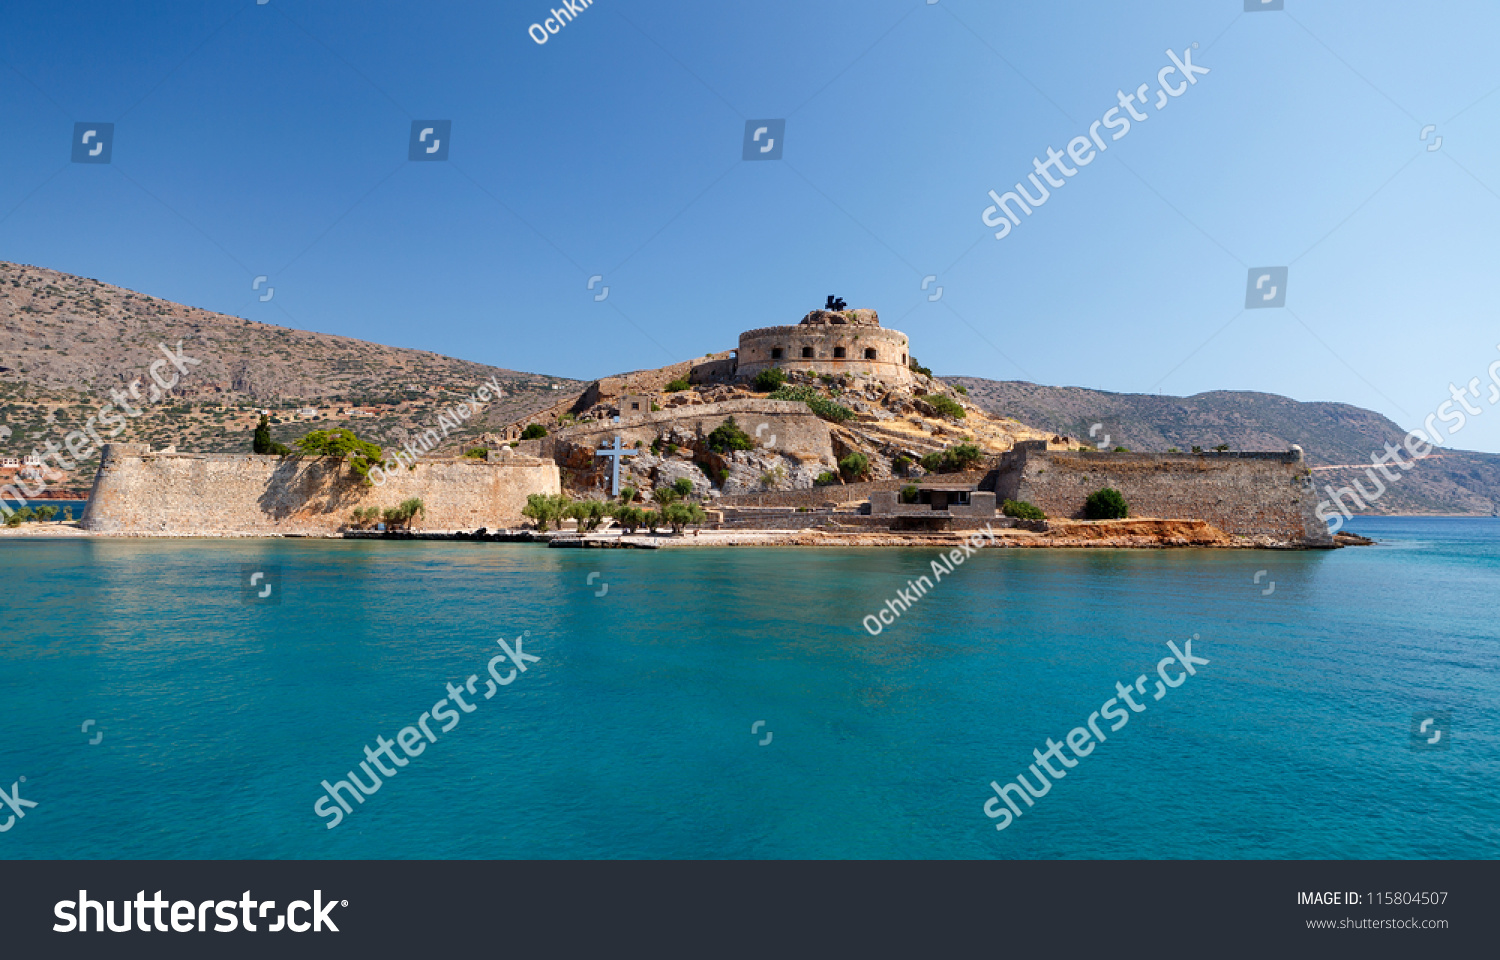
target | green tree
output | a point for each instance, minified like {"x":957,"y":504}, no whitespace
{"x":678,"y":385}
{"x":478,"y":453}
{"x":341,"y":443}
{"x":45,"y":514}
{"x":679,"y":515}
{"x":651,"y":520}
{"x":1106,"y":504}
{"x":401,"y":517}
{"x":588,"y":513}
{"x":901,"y":464}
{"x":683,"y":486}
{"x":628,"y":517}
{"x":825,"y":479}
{"x":769,"y":379}
{"x":728,"y":436}
{"x":909,"y":493}
{"x":545,"y":509}
{"x":262,"y":443}
{"x":534,"y":431}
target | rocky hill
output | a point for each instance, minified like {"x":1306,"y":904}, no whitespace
{"x":66,"y":342}
{"x":1335,"y":436}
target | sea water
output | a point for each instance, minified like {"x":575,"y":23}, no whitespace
{"x":705,"y":703}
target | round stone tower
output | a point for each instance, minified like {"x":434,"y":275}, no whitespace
{"x":846,"y":342}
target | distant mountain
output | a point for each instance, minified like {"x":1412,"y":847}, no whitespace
{"x":67,"y":341}
{"x":1335,"y":436}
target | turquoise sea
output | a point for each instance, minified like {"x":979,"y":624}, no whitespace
{"x":631,"y":736}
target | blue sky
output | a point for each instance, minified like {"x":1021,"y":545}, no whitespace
{"x":272,"y":139}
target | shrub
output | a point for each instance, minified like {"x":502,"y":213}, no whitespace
{"x":683,"y":486}
{"x":916,"y":367}
{"x":769,"y":380}
{"x":534,"y":431}
{"x":902,"y":464}
{"x":728,"y":436}
{"x":1022,"y":510}
{"x":819,"y":404}
{"x":678,"y":385}
{"x":68,"y":514}
{"x":15,"y":519}
{"x":1197,"y":449}
{"x":947,"y":406}
{"x":856,"y":466}
{"x":664,"y":495}
{"x":1222,"y":448}
{"x":628,"y":494}
{"x":909,"y":493}
{"x":961,"y":388}
{"x":1173,"y":450}
{"x":825,"y":479}
{"x":954,"y":459}
{"x":1106,"y":504}
{"x":1122,"y":449}
{"x":655,"y":408}
{"x":478,"y":453}
{"x":342,"y":443}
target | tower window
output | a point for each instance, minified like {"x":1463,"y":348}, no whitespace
{"x":838,"y":353}
{"x":807,"y":353}
{"x":775,"y":353}
{"x":869,"y":353}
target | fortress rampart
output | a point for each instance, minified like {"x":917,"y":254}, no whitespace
{"x":137,"y":491}
{"x":1250,"y":494}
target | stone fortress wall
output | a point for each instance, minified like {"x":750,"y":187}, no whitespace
{"x":140,"y":492}
{"x":850,"y":342}
{"x":1250,"y":494}
{"x":798,"y":431}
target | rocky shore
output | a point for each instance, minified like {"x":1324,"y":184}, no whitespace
{"x":1137,"y":534}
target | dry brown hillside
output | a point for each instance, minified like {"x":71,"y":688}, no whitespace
{"x":66,"y":342}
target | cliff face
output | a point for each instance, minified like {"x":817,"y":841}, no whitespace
{"x":188,"y":494}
